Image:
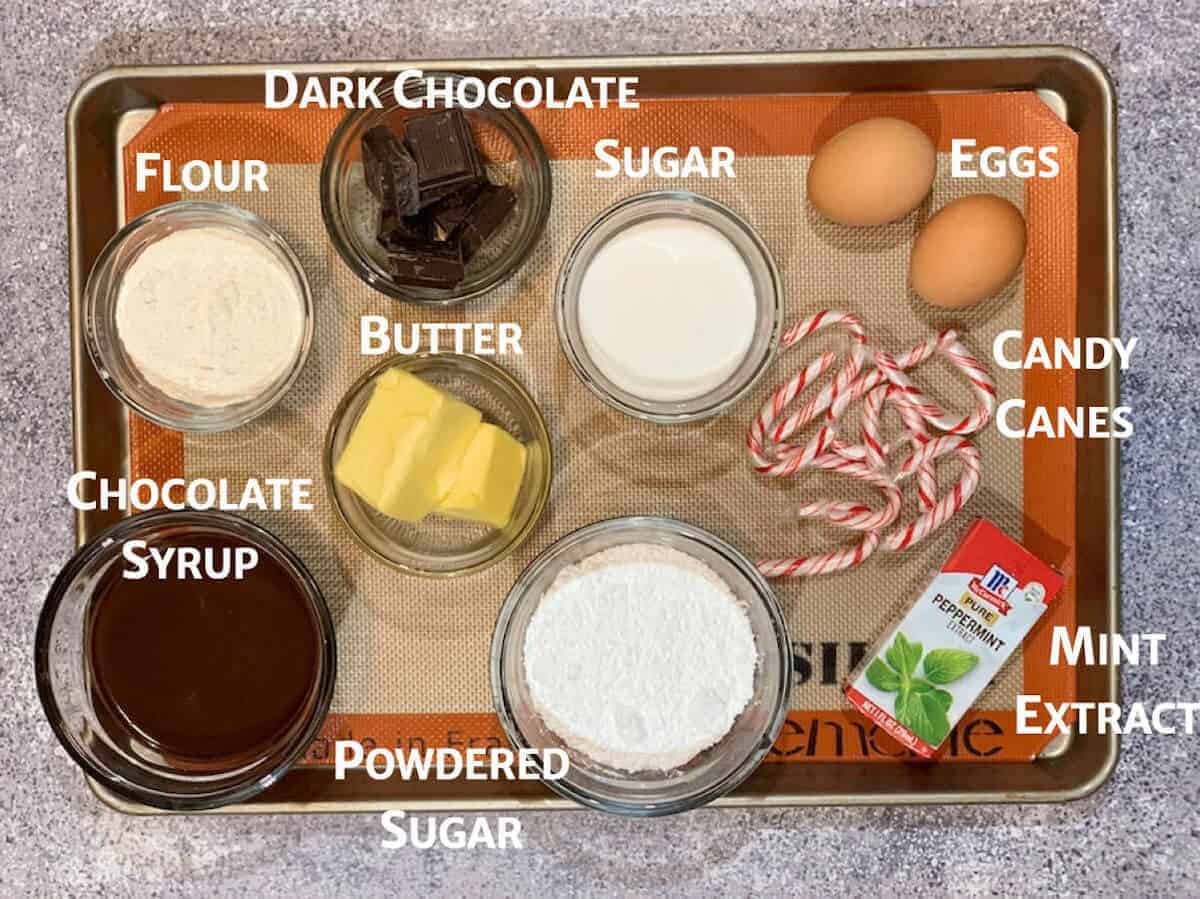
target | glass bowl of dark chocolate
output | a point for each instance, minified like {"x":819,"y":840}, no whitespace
{"x":184,"y":689}
{"x":434,"y":205}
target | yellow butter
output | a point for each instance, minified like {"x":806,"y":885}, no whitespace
{"x":406,"y":449}
{"x":489,"y":479}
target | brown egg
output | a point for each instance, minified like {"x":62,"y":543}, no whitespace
{"x":874,"y":172}
{"x":968,"y":251}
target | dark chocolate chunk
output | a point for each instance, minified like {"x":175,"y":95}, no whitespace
{"x":439,"y":194}
{"x":390,"y":170}
{"x":432,"y":185}
{"x":444,"y":150}
{"x":483,"y":218}
{"x":397,"y":231}
{"x":427,"y":264}
{"x":448,"y":212}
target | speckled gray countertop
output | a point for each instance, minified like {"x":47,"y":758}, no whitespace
{"x":1140,"y":835}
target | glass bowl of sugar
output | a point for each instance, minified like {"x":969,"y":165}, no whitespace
{"x":653,"y":654}
{"x":668,"y":306}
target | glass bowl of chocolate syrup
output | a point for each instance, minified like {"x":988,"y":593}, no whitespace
{"x":472,"y":145}
{"x":185,"y":660}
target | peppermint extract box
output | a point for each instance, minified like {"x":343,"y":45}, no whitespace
{"x":928,"y":670}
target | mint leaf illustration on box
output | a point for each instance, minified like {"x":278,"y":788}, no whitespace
{"x":944,"y":666}
{"x":921,"y":704}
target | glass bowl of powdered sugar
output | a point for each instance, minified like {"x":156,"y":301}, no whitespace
{"x":654,"y":654}
{"x":198,"y":316}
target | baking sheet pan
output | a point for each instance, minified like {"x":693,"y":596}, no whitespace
{"x":1079,"y":90}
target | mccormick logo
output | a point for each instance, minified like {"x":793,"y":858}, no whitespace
{"x":998,"y":582}
{"x":994,"y":588}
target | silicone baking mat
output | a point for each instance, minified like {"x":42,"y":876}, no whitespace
{"x":413,"y":653}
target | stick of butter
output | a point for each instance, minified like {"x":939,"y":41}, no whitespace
{"x":407,"y":447}
{"x":489,"y":479}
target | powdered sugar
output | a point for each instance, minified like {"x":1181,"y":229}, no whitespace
{"x":640,"y":656}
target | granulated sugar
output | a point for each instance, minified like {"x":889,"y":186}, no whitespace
{"x":667,"y":309}
{"x":640,"y":656}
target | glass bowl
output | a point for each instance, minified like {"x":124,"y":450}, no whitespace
{"x":513,"y":155}
{"x":436,"y":546}
{"x":118,"y":371}
{"x":716,"y":770}
{"x":767,"y":289}
{"x":116,"y":756}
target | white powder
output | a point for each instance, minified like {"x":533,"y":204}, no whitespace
{"x":667,"y":309}
{"x":210,"y":316}
{"x":641,"y":657}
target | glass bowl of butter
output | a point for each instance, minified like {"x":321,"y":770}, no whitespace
{"x":439,"y":464}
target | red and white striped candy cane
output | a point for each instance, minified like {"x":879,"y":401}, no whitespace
{"x":878,"y":379}
{"x":981,"y":383}
{"x":891,"y":369}
{"x":946,"y":507}
{"x":886,"y":372}
{"x":874,"y":451}
{"x":757,"y":439}
{"x":873,"y":447}
{"x":766,"y":427}
{"x":826,"y":563}
{"x":918,"y":437}
{"x":855,"y":516}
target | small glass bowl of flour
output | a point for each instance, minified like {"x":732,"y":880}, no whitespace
{"x":198,"y":316}
{"x":654,"y":654}
{"x":668,"y":306}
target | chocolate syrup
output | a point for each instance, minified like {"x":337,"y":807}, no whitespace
{"x":202,"y":669}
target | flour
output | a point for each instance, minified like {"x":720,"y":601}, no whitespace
{"x":641,"y":657}
{"x":210,"y":317}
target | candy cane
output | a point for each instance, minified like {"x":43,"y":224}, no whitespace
{"x":981,"y":383}
{"x":918,"y":437}
{"x":878,"y":380}
{"x":766,"y":422}
{"x":823,"y":564}
{"x":852,"y":515}
{"x":946,"y":507}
